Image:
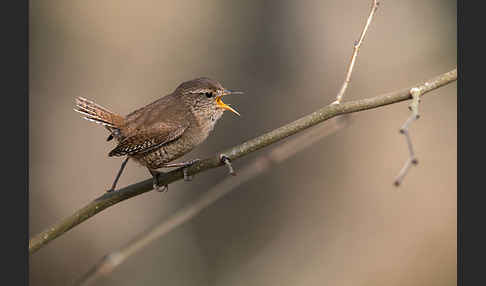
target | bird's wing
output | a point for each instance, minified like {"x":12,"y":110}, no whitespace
{"x":149,"y":139}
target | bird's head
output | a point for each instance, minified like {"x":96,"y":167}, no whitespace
{"x":205,"y":95}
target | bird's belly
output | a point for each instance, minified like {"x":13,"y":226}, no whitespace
{"x":167,"y":153}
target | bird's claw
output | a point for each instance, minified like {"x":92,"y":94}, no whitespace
{"x":187,"y":177}
{"x":156,"y":186}
{"x":227,"y":161}
{"x":188,"y":164}
{"x":160,"y":189}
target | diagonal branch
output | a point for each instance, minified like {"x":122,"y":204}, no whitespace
{"x":323,"y":114}
{"x":257,"y":167}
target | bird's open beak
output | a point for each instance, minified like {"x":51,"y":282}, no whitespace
{"x":228,"y":92}
{"x":223,"y":105}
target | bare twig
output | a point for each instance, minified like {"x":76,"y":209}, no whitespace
{"x":357,"y":45}
{"x":256,"y":168}
{"x":416,"y":92}
{"x":321,"y":115}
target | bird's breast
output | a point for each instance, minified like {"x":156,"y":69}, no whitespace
{"x":195,"y":135}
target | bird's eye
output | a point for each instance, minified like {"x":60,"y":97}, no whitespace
{"x":209,"y":94}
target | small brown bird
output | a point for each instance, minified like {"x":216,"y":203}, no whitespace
{"x":164,"y":130}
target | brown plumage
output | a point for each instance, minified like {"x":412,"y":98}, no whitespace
{"x":166,"y":129}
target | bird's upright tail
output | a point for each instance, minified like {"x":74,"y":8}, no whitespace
{"x":96,"y":113}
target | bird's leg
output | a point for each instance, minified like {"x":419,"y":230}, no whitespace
{"x":118,"y":175}
{"x":184,"y":166}
{"x":155,"y":175}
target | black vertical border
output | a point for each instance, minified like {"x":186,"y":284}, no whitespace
{"x":471,"y":145}
{"x":14,"y":138}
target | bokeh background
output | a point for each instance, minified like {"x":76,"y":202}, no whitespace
{"x":329,"y":215}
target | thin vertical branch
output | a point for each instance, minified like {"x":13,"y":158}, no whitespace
{"x":412,"y":160}
{"x":357,"y":45}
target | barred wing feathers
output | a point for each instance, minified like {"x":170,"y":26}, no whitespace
{"x":146,"y":141}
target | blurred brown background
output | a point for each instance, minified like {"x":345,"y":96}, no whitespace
{"x":329,"y":215}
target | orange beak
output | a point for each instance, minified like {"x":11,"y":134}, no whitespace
{"x":223,"y":105}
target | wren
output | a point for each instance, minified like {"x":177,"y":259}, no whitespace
{"x":165,"y":129}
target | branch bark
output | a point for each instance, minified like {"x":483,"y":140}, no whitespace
{"x":257,"y":167}
{"x":323,"y":114}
